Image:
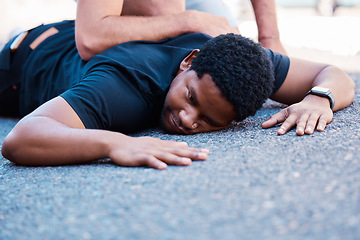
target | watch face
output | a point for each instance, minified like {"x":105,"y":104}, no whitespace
{"x":320,"y":90}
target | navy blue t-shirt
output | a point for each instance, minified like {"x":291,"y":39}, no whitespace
{"x":121,"y":89}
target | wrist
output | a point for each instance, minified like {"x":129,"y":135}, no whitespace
{"x":268,"y":37}
{"x":186,"y":21}
{"x":316,"y":100}
{"x":323,"y":93}
{"x":109,"y":141}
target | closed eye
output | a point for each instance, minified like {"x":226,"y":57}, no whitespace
{"x":191,"y":98}
{"x":191,"y":94}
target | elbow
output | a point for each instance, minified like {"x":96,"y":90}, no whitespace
{"x":11,"y":148}
{"x":84,"y":49}
{"x":18,"y":148}
{"x":86,"y":46}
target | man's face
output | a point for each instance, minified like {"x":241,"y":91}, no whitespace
{"x":195,"y":105}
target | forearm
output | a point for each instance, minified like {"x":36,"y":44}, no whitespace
{"x":266,"y":19}
{"x":44,"y":141}
{"x":96,"y":36}
{"x":101,"y":30}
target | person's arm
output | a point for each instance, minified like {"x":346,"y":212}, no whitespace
{"x":266,"y":20}
{"x":54,"y":135}
{"x":101,"y":24}
{"x":310,"y":112}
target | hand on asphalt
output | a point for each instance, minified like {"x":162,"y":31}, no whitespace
{"x":305,"y":115}
{"x":156,"y":153}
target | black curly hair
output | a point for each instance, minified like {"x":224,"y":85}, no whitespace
{"x":240,"y":68}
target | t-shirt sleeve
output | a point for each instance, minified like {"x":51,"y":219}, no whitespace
{"x":106,"y":99}
{"x":281,"y":64}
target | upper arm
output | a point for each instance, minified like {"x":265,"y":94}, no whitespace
{"x":59,"y":110}
{"x":298,"y":82}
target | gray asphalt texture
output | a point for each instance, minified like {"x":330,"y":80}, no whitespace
{"x":255,"y":185}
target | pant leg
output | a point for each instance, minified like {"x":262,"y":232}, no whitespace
{"x":9,"y":83}
{"x":9,"y":101}
{"x":216,"y":7}
{"x":11,"y":63}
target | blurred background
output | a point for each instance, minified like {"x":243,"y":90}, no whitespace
{"x":319,"y":30}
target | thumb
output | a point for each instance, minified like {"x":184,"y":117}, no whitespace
{"x":275,"y":119}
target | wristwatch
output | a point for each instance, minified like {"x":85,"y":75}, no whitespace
{"x":323,"y":92}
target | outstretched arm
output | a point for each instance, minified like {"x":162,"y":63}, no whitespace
{"x":266,"y":20}
{"x":101,"y":24}
{"x":54,"y":135}
{"x":310,"y":112}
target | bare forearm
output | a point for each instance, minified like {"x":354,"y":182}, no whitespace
{"x":94,"y":37}
{"x":40,"y":140}
{"x":266,"y":19}
{"x":100,"y":35}
{"x":101,"y":24}
{"x":44,"y":141}
{"x":303,"y":75}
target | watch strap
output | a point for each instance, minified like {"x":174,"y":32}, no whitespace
{"x":323,"y":92}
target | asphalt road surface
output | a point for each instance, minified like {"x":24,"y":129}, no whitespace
{"x":255,"y":185}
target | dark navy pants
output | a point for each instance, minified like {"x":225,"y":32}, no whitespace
{"x":11,"y":63}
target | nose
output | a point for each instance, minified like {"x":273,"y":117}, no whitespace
{"x":188,"y":118}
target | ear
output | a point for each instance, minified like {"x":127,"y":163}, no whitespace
{"x":186,"y":63}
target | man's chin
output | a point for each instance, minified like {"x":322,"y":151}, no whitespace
{"x":163,"y":126}
{"x":163,"y":123}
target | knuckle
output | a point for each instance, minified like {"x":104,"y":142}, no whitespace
{"x":162,"y":155}
{"x":178,"y":151}
{"x":310,"y":126}
{"x":147,"y":160}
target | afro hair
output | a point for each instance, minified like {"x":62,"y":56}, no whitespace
{"x":240,"y":68}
